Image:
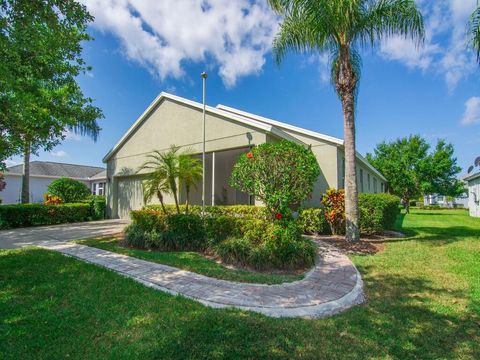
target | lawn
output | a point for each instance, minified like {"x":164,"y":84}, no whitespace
{"x":423,"y":302}
{"x":192,"y":261}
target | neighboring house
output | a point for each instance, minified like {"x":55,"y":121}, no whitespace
{"x":445,"y":201}
{"x":473,"y":183}
{"x":42,"y":173}
{"x":229,"y":133}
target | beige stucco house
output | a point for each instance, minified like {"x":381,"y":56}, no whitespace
{"x":229,"y":132}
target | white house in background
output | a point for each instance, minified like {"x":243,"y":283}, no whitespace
{"x":42,"y":173}
{"x":473,"y":183}
{"x":443,"y":201}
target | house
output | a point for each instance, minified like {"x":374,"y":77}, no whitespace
{"x":229,"y":133}
{"x":42,"y":173}
{"x":446,"y":201}
{"x":473,"y":183}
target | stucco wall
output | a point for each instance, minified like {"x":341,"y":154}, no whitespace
{"x":474,"y":197}
{"x":173,"y":123}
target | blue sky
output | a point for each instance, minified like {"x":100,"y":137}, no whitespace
{"x":142,"y":48}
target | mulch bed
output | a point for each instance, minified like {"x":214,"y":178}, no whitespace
{"x":363,"y":247}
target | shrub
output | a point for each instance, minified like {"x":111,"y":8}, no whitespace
{"x":287,"y":248}
{"x":184,"y":232}
{"x":280,"y":174}
{"x":378,"y":212}
{"x":148,"y":219}
{"x":334,"y":204}
{"x":218,"y":228}
{"x":69,"y":190}
{"x":135,"y":236}
{"x":312,"y":221}
{"x":98,"y":204}
{"x":235,"y":251}
{"x":21,"y":215}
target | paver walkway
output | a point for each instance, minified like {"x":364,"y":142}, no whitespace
{"x":333,"y":285}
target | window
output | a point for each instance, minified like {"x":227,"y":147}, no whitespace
{"x":361,"y":180}
{"x":375,"y":185}
{"x":98,"y":188}
{"x":382,"y":187}
{"x":368,"y":182}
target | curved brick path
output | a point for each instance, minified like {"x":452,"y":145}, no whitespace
{"x":333,"y":285}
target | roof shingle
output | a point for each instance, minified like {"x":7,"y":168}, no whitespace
{"x":48,"y":168}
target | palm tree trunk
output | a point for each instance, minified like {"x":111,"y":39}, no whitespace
{"x":346,"y":83}
{"x":352,"y":232}
{"x":160,"y":198}
{"x":26,"y":173}
{"x":175,"y":197}
{"x":187,"y":195}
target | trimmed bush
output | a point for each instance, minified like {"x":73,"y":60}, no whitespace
{"x":237,"y":211}
{"x":312,"y":221}
{"x":251,"y":242}
{"x":69,"y":190}
{"x":22,"y":215}
{"x":378,"y":212}
{"x":174,"y":232}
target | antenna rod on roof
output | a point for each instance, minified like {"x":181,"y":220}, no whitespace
{"x":204,"y":80}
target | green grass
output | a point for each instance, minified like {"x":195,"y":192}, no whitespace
{"x":192,"y":261}
{"x":423,"y":303}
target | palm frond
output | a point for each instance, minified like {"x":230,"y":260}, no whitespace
{"x":475,"y":32}
{"x":385,"y":18}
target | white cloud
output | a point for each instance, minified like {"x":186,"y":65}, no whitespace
{"x":59,"y":153}
{"x":472,"y":111}
{"x":9,"y":162}
{"x":164,"y":35}
{"x":445,"y":49}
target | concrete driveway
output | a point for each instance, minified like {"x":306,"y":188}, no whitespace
{"x":16,"y":238}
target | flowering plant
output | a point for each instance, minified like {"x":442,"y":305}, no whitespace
{"x":49,"y":199}
{"x":334,"y":203}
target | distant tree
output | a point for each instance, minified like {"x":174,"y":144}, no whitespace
{"x":69,"y":190}
{"x":40,"y":59}
{"x":475,"y":31}
{"x":411,"y":171}
{"x":341,"y":28}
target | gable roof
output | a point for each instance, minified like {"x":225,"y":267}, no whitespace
{"x":268,"y":128}
{"x":54,"y":169}
{"x":471,"y":177}
{"x":299,"y":130}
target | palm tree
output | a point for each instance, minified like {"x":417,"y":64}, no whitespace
{"x":190,"y":172}
{"x":475,"y":30}
{"x":156,"y":185}
{"x":164,"y":166}
{"x":340,"y":28}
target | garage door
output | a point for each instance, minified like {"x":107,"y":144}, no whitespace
{"x":129,"y":195}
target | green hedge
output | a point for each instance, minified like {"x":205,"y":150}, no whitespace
{"x":378,"y":212}
{"x":247,"y":241}
{"x":243,"y":211}
{"x":22,"y":215}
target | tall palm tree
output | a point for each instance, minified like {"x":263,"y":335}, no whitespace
{"x":341,"y":28}
{"x":475,"y":30}
{"x":166,"y":166}
{"x":190,"y":172}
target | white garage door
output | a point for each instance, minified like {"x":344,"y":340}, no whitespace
{"x":129,"y":195}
